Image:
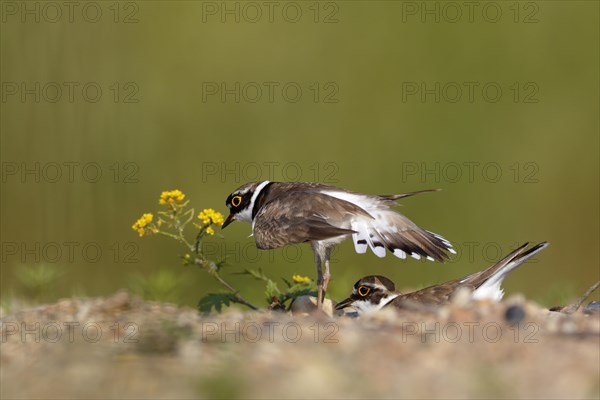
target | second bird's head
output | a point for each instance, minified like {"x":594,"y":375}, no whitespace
{"x":370,"y":293}
{"x":241,"y":202}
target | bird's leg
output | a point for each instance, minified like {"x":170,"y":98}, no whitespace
{"x":326,"y":275}
{"x":320,"y":291}
{"x":320,"y":288}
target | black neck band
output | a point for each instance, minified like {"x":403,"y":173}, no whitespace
{"x":258,"y":203}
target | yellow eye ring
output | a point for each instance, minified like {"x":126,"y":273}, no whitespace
{"x":364,"y":291}
{"x":236,"y":201}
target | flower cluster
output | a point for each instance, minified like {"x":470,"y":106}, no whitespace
{"x":141,"y":224}
{"x":210,"y":216}
{"x":300,"y":279}
{"x":173,"y":221}
{"x":171,"y":196}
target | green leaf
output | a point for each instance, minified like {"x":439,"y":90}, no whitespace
{"x":256,"y":274}
{"x":287,"y":296}
{"x":214,"y":300}
{"x":272,"y":290}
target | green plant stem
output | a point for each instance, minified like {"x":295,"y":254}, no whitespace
{"x":212,"y":269}
{"x":236,"y":294}
{"x":169,"y":235}
{"x":179,"y":238}
{"x":202,"y":262}
{"x":196,"y":247}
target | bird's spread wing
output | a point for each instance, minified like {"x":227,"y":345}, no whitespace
{"x":302,"y":216}
{"x":388,"y":229}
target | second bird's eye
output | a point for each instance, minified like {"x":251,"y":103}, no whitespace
{"x":236,"y":201}
{"x":363,"y":291}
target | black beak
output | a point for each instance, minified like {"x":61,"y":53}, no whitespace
{"x":229,"y":220}
{"x":344,"y":303}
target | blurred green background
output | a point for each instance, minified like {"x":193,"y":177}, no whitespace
{"x":379,"y":112}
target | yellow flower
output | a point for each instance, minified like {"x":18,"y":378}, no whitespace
{"x":210,"y":231}
{"x":171,"y":196}
{"x":300,"y":279}
{"x":140,"y":224}
{"x":210,"y":216}
{"x":218,"y":219}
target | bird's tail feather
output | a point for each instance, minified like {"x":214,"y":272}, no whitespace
{"x":487,"y":282}
{"x":391,"y":199}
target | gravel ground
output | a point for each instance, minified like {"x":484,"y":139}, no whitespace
{"x":122,"y":347}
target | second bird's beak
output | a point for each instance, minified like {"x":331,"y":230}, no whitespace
{"x":229,"y":220}
{"x":344,"y":303}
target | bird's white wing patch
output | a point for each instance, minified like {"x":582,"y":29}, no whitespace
{"x":366,"y":236}
{"x":399,"y":253}
{"x":386,"y":230}
{"x":363,"y":201}
{"x":360,"y":237}
{"x":491,"y":292}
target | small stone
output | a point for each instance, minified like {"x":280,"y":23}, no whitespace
{"x":307,"y":305}
{"x":569,"y":327}
{"x":514,"y":314}
{"x":120,"y":301}
{"x":593,"y":307}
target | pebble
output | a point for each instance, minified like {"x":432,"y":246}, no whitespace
{"x":593,"y":307}
{"x":514,"y":314}
{"x":307,"y":305}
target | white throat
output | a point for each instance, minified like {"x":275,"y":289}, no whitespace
{"x":363,"y":307}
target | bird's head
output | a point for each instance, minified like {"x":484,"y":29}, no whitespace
{"x":370,"y":293}
{"x":241,"y":202}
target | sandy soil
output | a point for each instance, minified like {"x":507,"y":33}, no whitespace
{"x":122,"y":347}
